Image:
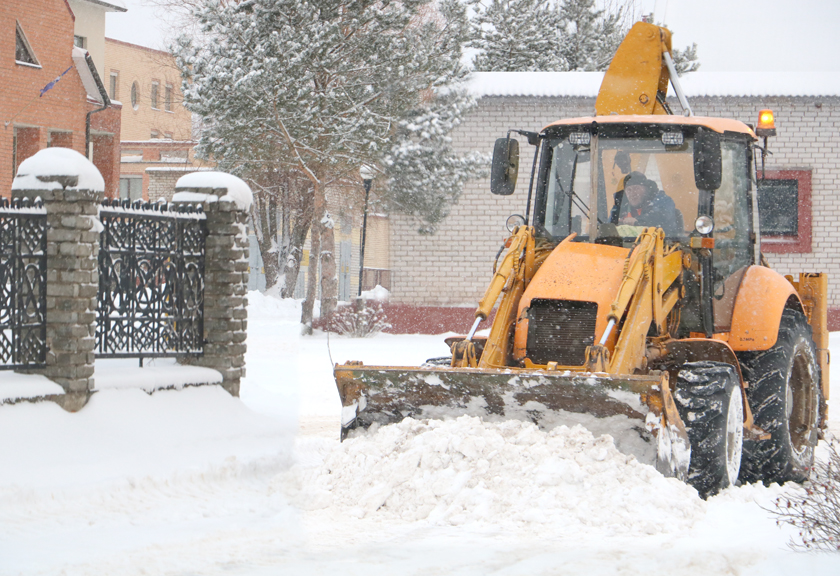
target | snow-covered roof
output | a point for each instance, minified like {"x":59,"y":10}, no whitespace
{"x":109,"y":5}
{"x":90,"y":78}
{"x":40,"y":171}
{"x":695,"y":84}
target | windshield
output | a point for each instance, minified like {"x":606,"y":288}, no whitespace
{"x":638,"y":182}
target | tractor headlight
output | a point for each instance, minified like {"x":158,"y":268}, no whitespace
{"x":580,"y":138}
{"x":672,"y":138}
{"x":704,"y":224}
{"x":514,"y":221}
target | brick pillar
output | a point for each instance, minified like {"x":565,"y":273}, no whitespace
{"x":72,"y":286}
{"x":225,"y":286}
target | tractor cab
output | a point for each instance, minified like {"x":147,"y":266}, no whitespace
{"x":606,"y":179}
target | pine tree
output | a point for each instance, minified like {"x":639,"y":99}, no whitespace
{"x":555,"y":35}
{"x":685,"y":60}
{"x":317,"y":88}
{"x":590,"y":36}
{"x":517,"y":36}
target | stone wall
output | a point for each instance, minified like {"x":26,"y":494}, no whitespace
{"x":72,"y":287}
{"x":453,"y":267}
{"x":225,"y":289}
{"x":73,"y":276}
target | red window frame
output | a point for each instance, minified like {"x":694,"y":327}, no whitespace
{"x":801,"y":242}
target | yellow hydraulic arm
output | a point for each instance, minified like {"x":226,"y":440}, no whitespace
{"x":637,"y":79}
{"x":647,"y":294}
{"x":510,"y":277}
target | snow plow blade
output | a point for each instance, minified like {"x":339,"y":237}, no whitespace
{"x":384,"y":395}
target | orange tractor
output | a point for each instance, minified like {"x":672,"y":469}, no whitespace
{"x":633,"y":293}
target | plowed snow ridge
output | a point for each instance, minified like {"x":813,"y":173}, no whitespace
{"x":509,"y":474}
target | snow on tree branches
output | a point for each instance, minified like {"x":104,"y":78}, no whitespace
{"x":554,"y":35}
{"x":317,"y":88}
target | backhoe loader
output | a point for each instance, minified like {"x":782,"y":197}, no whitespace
{"x":633,"y":293}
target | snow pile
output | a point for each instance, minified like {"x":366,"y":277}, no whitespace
{"x":378,"y":293}
{"x":238,"y":191}
{"x":36,"y":171}
{"x":14,"y":386}
{"x":508,"y":474}
{"x":156,"y":374}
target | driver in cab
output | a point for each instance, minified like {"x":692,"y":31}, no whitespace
{"x":641,"y":203}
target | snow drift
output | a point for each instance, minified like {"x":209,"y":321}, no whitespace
{"x":509,"y":474}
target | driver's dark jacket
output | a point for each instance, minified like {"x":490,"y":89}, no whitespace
{"x":659,"y":211}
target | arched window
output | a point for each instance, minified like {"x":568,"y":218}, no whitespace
{"x":134,"y":96}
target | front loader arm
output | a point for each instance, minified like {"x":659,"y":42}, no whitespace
{"x":646,"y":295}
{"x":510,"y":277}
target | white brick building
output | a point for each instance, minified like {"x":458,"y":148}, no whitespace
{"x":452,"y":268}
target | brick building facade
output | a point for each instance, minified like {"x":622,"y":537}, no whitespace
{"x":451,"y":269}
{"x":156,"y":128}
{"x":36,"y":47}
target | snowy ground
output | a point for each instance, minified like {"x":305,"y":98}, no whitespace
{"x":196,"y":482}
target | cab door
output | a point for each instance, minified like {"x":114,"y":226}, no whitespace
{"x":732,"y":214}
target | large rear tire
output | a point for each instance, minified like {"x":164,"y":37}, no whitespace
{"x":784,"y":396}
{"x":708,"y":398}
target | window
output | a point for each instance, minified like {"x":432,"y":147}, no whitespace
{"x":131,"y":188}
{"x":80,"y":41}
{"x":23,"y":51}
{"x":784,"y":208}
{"x":155,"y":135}
{"x":167,"y":98}
{"x":167,"y":135}
{"x":135,"y":89}
{"x":154,"y":95}
{"x":112,"y":92}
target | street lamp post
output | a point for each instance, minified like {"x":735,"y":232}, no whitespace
{"x":367,"y":178}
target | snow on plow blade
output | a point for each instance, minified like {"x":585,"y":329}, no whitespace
{"x":383,"y":395}
{"x":387,"y":394}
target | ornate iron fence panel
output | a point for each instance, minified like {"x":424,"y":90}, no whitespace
{"x":151,"y":280}
{"x":23,"y":284}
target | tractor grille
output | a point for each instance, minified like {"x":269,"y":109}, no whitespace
{"x":560,"y":330}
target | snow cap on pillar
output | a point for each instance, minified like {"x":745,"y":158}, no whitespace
{"x":212,"y":187}
{"x":56,"y":169}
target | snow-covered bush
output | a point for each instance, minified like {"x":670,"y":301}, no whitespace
{"x":815,"y":508}
{"x":360,"y":319}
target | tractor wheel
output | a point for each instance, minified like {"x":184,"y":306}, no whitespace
{"x":708,"y":398}
{"x":784,"y":396}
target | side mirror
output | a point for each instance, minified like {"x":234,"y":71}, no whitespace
{"x":707,"y":162}
{"x":505,"y":167}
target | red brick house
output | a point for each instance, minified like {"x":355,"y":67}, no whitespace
{"x":36,"y":48}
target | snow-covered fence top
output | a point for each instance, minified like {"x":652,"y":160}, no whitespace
{"x":697,"y":84}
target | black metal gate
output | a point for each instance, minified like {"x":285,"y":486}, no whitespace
{"x":151,"y":280}
{"x":23,"y":284}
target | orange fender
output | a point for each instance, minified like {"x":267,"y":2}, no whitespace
{"x":761,"y":299}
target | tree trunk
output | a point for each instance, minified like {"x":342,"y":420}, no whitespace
{"x":291,"y":263}
{"x":268,"y":245}
{"x":265,"y":214}
{"x":314,"y":257}
{"x":291,"y":269}
{"x":329,"y":279}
